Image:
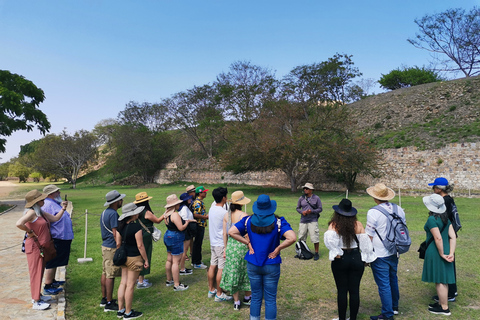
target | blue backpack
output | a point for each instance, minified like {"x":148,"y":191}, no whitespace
{"x":397,"y":238}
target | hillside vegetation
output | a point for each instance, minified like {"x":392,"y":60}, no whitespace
{"x":426,"y":116}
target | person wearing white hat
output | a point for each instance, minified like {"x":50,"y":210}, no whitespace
{"x":439,"y":255}
{"x":108,"y":229}
{"x":310,"y":207}
{"x":384,"y":268}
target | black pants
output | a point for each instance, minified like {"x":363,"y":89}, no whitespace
{"x":452,"y":287}
{"x":197,"y":245}
{"x":348,"y":271}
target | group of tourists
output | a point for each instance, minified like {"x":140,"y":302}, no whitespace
{"x":245,"y":249}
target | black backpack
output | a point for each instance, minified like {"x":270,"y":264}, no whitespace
{"x":456,"y":224}
{"x":302,"y":250}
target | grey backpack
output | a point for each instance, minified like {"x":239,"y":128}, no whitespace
{"x":397,"y":238}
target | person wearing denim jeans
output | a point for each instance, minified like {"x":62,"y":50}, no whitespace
{"x":384,"y":268}
{"x":264,"y":231}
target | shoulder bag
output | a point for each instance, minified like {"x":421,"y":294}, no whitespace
{"x":424,"y":246}
{"x":120,"y":256}
{"x":156,"y":234}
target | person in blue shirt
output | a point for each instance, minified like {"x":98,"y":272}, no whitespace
{"x":264,"y":230}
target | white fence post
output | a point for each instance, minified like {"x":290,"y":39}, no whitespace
{"x":85,"y":259}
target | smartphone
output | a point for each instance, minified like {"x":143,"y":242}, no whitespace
{"x":66,"y":198}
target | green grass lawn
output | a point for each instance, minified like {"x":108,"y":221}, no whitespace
{"x":306,"y":289}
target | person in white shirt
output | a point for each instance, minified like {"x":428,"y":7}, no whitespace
{"x":384,"y":268}
{"x":217,"y":261}
{"x":186,"y":214}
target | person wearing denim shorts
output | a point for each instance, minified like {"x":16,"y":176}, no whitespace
{"x":173,"y":240}
{"x":265,"y":231}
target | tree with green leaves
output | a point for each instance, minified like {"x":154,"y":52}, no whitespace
{"x":408,"y":77}
{"x":19,"y":101}
{"x":18,"y":169}
{"x":453,"y":39}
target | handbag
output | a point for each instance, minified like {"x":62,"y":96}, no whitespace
{"x":156,"y":234}
{"x":424,"y":245}
{"x":120,"y":256}
{"x":47,"y":251}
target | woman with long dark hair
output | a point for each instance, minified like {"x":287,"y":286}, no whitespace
{"x":137,"y":259}
{"x":439,"y":255}
{"x":265,"y":230}
{"x":349,"y":249}
{"x":186,"y":214}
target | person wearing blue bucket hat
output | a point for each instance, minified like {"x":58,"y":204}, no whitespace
{"x":264,"y":230}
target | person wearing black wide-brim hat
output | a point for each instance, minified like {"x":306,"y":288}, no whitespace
{"x":349,"y":248}
{"x":265,"y":231}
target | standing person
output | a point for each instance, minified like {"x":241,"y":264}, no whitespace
{"x":190,"y":190}
{"x":186,"y":214}
{"x":62,"y":234}
{"x":439,"y":256}
{"x":36,"y":224}
{"x":384,"y":268}
{"x":173,"y":240}
{"x":108,"y":228}
{"x":265,"y":230}
{"x":349,"y":248}
{"x":217,"y":248}
{"x":234,"y":275}
{"x":442,"y":187}
{"x":201,"y":215}
{"x":309,"y":206}
{"x":132,"y":234}
{"x":146,"y":218}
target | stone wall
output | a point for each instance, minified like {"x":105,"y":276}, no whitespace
{"x":405,"y":168}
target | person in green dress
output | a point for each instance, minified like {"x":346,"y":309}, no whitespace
{"x":146,"y":219}
{"x":234,"y":275}
{"x":439,"y":256}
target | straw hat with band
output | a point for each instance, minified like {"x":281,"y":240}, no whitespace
{"x":263,"y":211}
{"x":141,"y":197}
{"x":112,"y":197}
{"x":32,"y":197}
{"x":190,"y":188}
{"x":308,"y":185}
{"x":435,"y":203}
{"x":172,"y":201}
{"x":345,"y":208}
{"x":130,"y":209}
{"x":51,"y":188}
{"x":239,"y":198}
{"x":381,"y":192}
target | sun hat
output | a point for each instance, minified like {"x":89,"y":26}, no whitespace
{"x":439,"y":182}
{"x":345,"y":208}
{"x":112,"y":197}
{"x":239,"y":198}
{"x":172,"y":200}
{"x":308,"y":185}
{"x":130,"y":209}
{"x":263,"y":211}
{"x":33,"y":197}
{"x":435,"y":203}
{"x":200,"y":189}
{"x":381,"y":192}
{"x":141,"y":197}
{"x":190,"y":188}
{"x":51,"y":188}
{"x":185,"y":196}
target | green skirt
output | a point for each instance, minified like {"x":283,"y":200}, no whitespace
{"x":234,"y":274}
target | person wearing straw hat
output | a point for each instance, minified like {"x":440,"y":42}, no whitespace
{"x":384,"y":268}
{"x":440,"y":253}
{"x":349,"y":248}
{"x":146,"y":218}
{"x":442,"y":187}
{"x":62,"y":234}
{"x":173,"y":240}
{"x":108,"y":229}
{"x":234,"y":275}
{"x":265,"y":230}
{"x":310,"y":207}
{"x":36,"y":223}
{"x":131,"y":234}
{"x":199,"y":213}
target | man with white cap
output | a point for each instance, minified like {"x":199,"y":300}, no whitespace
{"x":62,"y":234}
{"x":384,"y":268}
{"x":108,"y":228}
{"x":309,"y":206}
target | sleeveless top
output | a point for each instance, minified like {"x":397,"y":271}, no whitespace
{"x":41,"y":228}
{"x":145,"y":221}
{"x":171,"y":225}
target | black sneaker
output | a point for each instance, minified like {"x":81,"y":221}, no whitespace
{"x":450,"y":299}
{"x":111,"y":306}
{"x":433,"y":305}
{"x":247,"y":301}
{"x":186,"y":272}
{"x":103,"y":302}
{"x":236,"y":307}
{"x":316,"y":256}
{"x":438,"y":310}
{"x":395,"y":311}
{"x":133,"y":315}
{"x":381,"y":317}
{"x":120,"y":314}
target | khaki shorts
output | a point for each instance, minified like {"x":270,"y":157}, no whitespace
{"x":311,"y":229}
{"x":134,"y":263}
{"x":217,"y":258}
{"x":109,"y":269}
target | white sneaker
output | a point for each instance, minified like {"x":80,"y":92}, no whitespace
{"x":181,"y":287}
{"x":43,"y":298}
{"x":223,"y":297}
{"x":339,"y":319}
{"x":212,"y":294}
{"x":199,"y":266}
{"x":40,"y":305}
{"x":144,"y":285}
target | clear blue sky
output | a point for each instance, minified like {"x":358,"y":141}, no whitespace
{"x":91,"y":57}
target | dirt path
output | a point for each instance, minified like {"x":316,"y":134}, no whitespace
{"x":6,"y":187}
